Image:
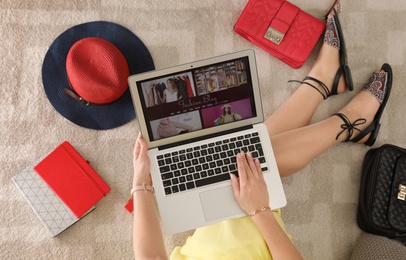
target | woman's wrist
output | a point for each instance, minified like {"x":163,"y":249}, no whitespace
{"x":142,"y":188}
{"x":266,"y":216}
{"x":142,"y":181}
{"x":258,"y":211}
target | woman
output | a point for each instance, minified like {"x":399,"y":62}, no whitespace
{"x":227,"y":116}
{"x":171,"y":92}
{"x":262,"y":235}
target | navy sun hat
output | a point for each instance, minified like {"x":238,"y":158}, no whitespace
{"x":65,"y":92}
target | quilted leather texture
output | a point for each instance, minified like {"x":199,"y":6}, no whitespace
{"x":379,"y":210}
{"x":298,"y":42}
{"x":397,"y":208}
{"x":383,"y":187}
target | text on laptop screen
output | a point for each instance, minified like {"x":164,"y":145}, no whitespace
{"x":197,"y":99}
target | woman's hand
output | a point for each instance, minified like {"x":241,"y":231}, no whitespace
{"x":148,"y":241}
{"x":141,"y":163}
{"x":250,"y":189}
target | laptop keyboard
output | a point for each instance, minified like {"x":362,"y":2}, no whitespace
{"x":206,"y":164}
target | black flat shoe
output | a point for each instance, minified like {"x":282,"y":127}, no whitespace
{"x":334,"y":24}
{"x":382,"y":93}
{"x":374,"y":127}
{"x":333,"y":36}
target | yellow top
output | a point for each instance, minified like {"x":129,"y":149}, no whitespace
{"x":231,"y":239}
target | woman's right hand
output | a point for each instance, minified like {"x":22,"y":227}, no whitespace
{"x":250,"y":189}
{"x":141,"y":163}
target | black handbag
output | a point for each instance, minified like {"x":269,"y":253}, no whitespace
{"x":382,"y":197}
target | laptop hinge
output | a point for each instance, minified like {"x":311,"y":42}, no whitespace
{"x":204,"y":137}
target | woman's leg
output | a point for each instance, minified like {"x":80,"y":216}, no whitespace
{"x":296,"y":148}
{"x":300,"y":107}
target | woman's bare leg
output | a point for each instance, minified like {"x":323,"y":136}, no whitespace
{"x":301,"y":106}
{"x":296,"y":148}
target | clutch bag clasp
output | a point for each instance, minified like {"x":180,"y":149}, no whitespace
{"x":402,"y":192}
{"x":274,"y":36}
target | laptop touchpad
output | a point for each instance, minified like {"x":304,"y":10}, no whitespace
{"x":219,"y":203}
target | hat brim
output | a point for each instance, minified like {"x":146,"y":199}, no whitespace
{"x":54,"y":76}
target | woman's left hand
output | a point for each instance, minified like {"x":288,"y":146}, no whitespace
{"x":141,"y":163}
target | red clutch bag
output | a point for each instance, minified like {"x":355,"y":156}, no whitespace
{"x":280,"y":28}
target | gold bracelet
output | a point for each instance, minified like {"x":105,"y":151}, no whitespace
{"x":144,"y":187}
{"x":259,"y":210}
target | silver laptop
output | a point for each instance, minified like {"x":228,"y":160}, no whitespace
{"x":195,"y":118}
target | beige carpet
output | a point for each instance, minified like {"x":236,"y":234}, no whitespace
{"x":322,"y":198}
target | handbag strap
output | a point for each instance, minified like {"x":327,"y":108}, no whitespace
{"x":281,"y":22}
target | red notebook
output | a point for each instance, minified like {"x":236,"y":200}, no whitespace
{"x":72,"y":179}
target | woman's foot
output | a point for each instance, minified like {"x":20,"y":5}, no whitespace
{"x":360,"y":118}
{"x":331,"y":74}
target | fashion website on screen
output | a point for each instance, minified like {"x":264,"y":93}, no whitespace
{"x":197,"y":99}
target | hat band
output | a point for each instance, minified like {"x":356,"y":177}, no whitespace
{"x":73,"y":94}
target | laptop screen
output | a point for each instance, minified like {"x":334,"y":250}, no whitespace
{"x":197,"y":98}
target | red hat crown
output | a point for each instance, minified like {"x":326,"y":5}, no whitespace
{"x":97,"y":71}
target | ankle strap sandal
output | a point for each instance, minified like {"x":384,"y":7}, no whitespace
{"x":350,"y":127}
{"x":333,"y":36}
{"x":323,"y":86}
{"x":373,"y":87}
